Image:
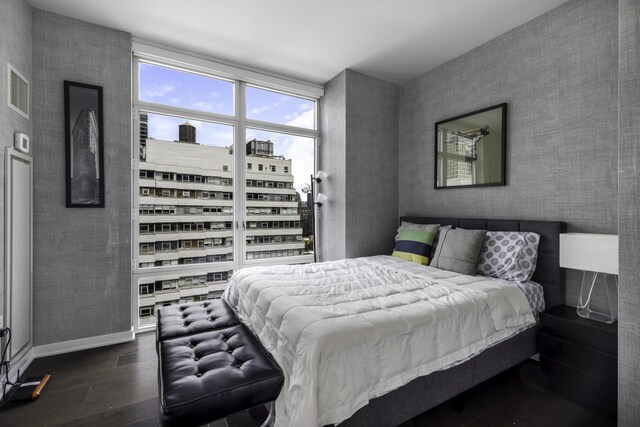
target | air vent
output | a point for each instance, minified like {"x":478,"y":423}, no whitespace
{"x":18,"y":92}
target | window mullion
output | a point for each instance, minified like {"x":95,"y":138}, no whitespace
{"x":240,"y":187}
{"x":290,"y":130}
{"x":183,"y":112}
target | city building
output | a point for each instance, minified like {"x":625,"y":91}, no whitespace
{"x":186,"y":215}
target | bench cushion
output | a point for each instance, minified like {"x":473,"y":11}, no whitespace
{"x":193,"y":318}
{"x":207,"y":376}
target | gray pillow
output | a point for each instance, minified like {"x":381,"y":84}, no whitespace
{"x":458,"y":250}
{"x":434,"y":245}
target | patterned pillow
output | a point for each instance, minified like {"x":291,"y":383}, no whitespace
{"x":414,"y":245}
{"x":432,"y":228}
{"x":509,"y":255}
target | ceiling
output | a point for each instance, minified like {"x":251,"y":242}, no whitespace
{"x":394,"y":40}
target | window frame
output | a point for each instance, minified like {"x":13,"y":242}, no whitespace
{"x":240,"y":123}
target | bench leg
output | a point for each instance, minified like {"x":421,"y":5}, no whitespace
{"x":271,"y":407}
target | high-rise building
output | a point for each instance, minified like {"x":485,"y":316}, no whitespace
{"x":144,"y":134}
{"x":85,"y":172}
{"x":186,"y":215}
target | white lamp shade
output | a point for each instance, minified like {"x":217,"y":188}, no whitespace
{"x":321,"y":199}
{"x":589,"y":252}
{"x":321,"y":175}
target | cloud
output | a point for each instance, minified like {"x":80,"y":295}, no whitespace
{"x":301,"y":152}
{"x":207,"y":106}
{"x":305,"y":119}
{"x":157,"y":90}
{"x":267,"y":107}
{"x":163,"y":127}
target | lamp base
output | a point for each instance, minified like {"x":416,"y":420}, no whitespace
{"x":586,"y":289}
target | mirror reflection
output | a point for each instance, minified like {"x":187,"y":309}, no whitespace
{"x":470,"y":149}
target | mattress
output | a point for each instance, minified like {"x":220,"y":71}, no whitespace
{"x":347,"y":331}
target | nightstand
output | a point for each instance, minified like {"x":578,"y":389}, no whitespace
{"x":579,"y":357}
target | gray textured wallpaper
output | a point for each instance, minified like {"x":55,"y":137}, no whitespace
{"x":15,"y":48}
{"x":558,"y":75}
{"x":332,"y":151}
{"x":359,"y":151}
{"x":372,"y":154}
{"x":82,"y":257}
{"x":629,"y":216}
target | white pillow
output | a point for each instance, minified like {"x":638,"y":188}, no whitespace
{"x":509,"y":255}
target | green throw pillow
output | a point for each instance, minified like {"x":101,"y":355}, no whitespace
{"x":414,"y":245}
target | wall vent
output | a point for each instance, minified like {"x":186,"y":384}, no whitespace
{"x":18,"y":92}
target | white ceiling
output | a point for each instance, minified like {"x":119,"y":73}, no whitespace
{"x":394,"y":40}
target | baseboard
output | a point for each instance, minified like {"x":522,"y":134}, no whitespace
{"x":20,"y":365}
{"x":82,"y":344}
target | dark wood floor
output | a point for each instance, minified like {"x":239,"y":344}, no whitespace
{"x":117,"y":386}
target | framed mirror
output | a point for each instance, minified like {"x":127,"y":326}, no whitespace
{"x":471,"y":149}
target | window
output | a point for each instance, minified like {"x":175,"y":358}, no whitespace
{"x":146,"y":311}
{"x":190,"y":129}
{"x":286,"y":109}
{"x":197,"y":91}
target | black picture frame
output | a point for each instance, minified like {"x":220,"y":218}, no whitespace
{"x":480,"y":136}
{"x":84,"y":145}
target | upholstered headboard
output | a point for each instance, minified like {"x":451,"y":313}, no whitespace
{"x":548,"y":272}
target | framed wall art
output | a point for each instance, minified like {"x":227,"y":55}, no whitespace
{"x":470,"y":150}
{"x":84,"y":145}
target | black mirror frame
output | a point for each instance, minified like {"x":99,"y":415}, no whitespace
{"x":502,"y":181}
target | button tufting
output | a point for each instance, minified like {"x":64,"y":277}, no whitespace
{"x":196,"y":358}
{"x":191,"y":346}
{"x":229,"y":351}
{"x":198,"y":374}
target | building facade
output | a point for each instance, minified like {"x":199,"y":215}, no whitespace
{"x":186,"y":203}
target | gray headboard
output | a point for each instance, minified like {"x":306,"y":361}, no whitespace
{"x":548,"y":272}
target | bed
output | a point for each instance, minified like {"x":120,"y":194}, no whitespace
{"x":343,"y":340}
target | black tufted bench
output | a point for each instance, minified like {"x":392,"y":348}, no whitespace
{"x":210,"y":365}
{"x":187,"y":319}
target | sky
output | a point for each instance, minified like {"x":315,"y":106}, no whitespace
{"x":186,"y":90}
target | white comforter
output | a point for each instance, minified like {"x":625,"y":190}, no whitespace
{"x":347,"y":331}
